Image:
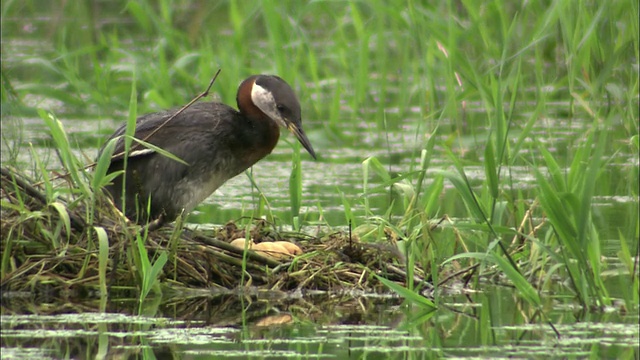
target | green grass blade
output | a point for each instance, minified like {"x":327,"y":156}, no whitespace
{"x":407,"y":294}
{"x":66,"y":220}
{"x":102,"y":166}
{"x":526,"y":290}
{"x":490,"y":169}
{"x":295,"y":184}
{"x":103,"y":260}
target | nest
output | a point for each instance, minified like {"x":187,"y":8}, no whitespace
{"x":50,"y":248}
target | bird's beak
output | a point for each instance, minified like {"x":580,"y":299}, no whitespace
{"x":296,"y":130}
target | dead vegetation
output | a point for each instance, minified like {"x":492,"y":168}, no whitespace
{"x":50,"y":246}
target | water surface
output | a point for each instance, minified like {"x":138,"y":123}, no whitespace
{"x":491,"y":323}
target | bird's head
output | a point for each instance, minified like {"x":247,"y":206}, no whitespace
{"x":276,"y":99}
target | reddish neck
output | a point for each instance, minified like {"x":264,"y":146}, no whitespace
{"x":245,"y":104}
{"x":266,"y":131}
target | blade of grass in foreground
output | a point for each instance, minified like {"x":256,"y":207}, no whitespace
{"x":70,"y":163}
{"x":570,"y":214}
{"x":149,"y":271}
{"x":371,"y":163}
{"x":103,"y":259}
{"x":129,"y":135}
{"x":348,"y":214}
{"x":525,"y":289}
{"x":295,"y":185}
{"x":102,"y":165}
{"x":407,"y":294}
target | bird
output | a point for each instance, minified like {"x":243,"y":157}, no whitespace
{"x":216,"y":141}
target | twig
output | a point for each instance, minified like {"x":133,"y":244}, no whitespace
{"x":205,"y":93}
{"x":416,"y":279}
{"x":457,"y":273}
{"x":135,"y":145}
{"x":28,"y":189}
{"x":76,"y":221}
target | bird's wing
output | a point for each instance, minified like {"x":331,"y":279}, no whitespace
{"x":188,"y":126}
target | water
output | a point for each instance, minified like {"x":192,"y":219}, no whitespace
{"x":325,"y":326}
{"x":491,"y":323}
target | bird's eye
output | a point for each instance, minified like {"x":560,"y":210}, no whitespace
{"x":280,"y":107}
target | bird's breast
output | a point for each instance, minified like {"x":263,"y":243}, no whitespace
{"x":195,"y":191}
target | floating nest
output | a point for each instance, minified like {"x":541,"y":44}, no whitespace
{"x":51,"y":248}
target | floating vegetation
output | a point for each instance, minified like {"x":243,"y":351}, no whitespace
{"x":55,"y":248}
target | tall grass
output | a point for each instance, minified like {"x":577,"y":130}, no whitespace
{"x":500,"y":78}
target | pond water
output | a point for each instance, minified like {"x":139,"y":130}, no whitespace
{"x":490,"y":323}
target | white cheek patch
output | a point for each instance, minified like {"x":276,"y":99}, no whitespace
{"x":263,"y":99}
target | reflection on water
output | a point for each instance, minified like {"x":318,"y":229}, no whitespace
{"x":313,"y":326}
